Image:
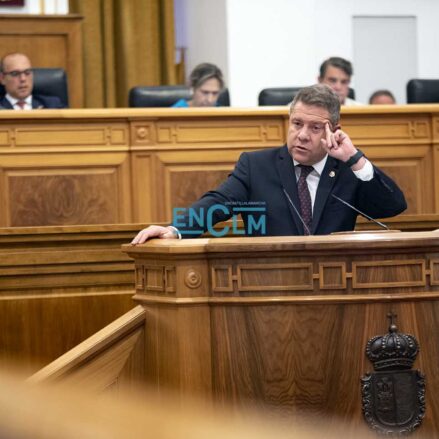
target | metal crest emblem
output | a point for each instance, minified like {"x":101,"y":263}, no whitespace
{"x":393,"y":396}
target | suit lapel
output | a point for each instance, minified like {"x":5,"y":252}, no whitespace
{"x":285,"y":168}
{"x":327,"y":180}
{"x":36,"y":104}
{"x":5,"y":104}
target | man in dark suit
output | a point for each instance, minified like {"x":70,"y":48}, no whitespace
{"x":17,"y":77}
{"x":298,"y":183}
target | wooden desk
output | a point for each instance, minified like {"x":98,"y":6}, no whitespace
{"x":65,"y":167}
{"x":282,"y":323}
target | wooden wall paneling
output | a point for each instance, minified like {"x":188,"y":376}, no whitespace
{"x":35,"y":330}
{"x":188,"y":175}
{"x":144,"y":188}
{"x":58,"y":286}
{"x":205,"y":156}
{"x":59,"y":174}
{"x":435,"y":159}
{"x":49,"y":41}
{"x":167,"y":158}
{"x":402,"y":148}
{"x":411,"y":167}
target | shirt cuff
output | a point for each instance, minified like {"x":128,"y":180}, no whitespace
{"x":365,"y":173}
{"x":176,"y":231}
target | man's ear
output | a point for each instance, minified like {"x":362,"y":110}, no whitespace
{"x":336,"y":127}
{"x":319,"y":79}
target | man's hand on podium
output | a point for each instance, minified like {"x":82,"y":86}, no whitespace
{"x":155,"y":232}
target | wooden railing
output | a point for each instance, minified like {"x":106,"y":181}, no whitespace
{"x":111,"y":357}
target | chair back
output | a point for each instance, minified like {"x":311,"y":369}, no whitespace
{"x":48,"y":82}
{"x":167,"y":95}
{"x":422,"y":91}
{"x":277,"y":95}
{"x":283,"y":95}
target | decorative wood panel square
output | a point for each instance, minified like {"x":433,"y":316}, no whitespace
{"x":154,"y":278}
{"x":71,"y":136}
{"x":170,"y":280}
{"x":434,"y":272}
{"x":139,"y":278}
{"x":60,"y":197}
{"x":436,"y":129}
{"x":186,"y":186}
{"x":222,"y":281}
{"x":332,"y":275}
{"x":387,"y":128}
{"x":5,"y":137}
{"x":220,"y":132}
{"x":389,"y":274}
{"x":409,"y":176}
{"x":275,"y":277}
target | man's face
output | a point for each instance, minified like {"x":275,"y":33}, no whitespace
{"x":206,"y":94}
{"x":338,"y":80}
{"x":17,"y":76}
{"x":306,"y":129}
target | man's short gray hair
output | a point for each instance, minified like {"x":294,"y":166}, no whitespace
{"x":319,"y":95}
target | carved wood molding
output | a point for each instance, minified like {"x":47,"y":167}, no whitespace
{"x":334,"y":275}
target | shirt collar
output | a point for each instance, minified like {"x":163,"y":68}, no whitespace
{"x":14,"y":101}
{"x":318,"y":167}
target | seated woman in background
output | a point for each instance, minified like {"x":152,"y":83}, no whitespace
{"x":382,"y":97}
{"x":206,"y":81}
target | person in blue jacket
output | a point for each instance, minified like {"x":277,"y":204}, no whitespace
{"x":206,"y":81}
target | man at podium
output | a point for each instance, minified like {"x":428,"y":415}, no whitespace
{"x":316,"y":184}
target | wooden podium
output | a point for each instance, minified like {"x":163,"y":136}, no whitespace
{"x":282,"y":323}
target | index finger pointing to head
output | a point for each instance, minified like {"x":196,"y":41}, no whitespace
{"x":328,"y":136}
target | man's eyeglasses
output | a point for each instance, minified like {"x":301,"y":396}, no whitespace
{"x":17,"y":73}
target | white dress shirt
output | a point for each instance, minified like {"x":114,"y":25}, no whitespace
{"x":14,"y":102}
{"x":313,"y":178}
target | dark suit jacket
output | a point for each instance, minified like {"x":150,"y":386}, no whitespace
{"x":38,"y":101}
{"x":262,"y":176}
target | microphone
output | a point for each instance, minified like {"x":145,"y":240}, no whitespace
{"x":361,"y":213}
{"x":297,"y":212}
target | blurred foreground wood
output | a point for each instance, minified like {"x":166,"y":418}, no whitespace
{"x":277,"y":323}
{"x":48,"y":411}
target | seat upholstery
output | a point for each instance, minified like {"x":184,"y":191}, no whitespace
{"x":283,"y":95}
{"x":49,"y":82}
{"x":421,"y":91}
{"x":166,"y":96}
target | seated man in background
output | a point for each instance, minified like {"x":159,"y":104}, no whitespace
{"x":337,"y":73}
{"x":206,"y":82}
{"x":16,"y":75}
{"x":382,"y":97}
{"x":303,"y":185}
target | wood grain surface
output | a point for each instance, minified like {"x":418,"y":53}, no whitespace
{"x":135,"y":165}
{"x":282,"y":323}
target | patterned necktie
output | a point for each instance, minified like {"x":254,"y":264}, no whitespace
{"x":21,"y":104}
{"x":305,"y":197}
